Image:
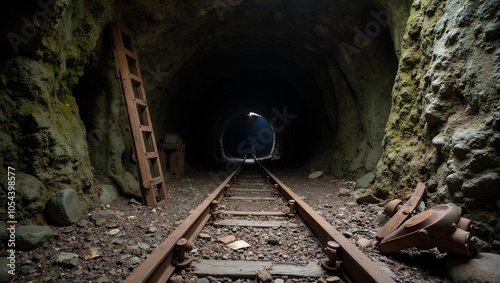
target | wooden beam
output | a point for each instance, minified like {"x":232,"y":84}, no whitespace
{"x":248,"y":269}
{"x":252,"y":223}
{"x":252,"y":198}
{"x":246,"y":213}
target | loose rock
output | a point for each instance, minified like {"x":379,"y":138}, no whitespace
{"x":364,"y":243}
{"x":273,"y":239}
{"x":484,"y":268}
{"x":205,"y":236}
{"x":333,"y":279}
{"x":104,"y":214}
{"x":64,"y":207}
{"x":366,"y":198}
{"x":264,"y":276}
{"x":343,"y":192}
{"x":366,"y":180}
{"x":133,"y":261}
{"x":31,"y":236}
{"x":176,"y":279}
{"x":4,"y":269}
{"x":315,"y":175}
{"x":68,"y":260}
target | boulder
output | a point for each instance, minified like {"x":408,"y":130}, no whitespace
{"x":31,"y":236}
{"x":365,"y":181}
{"x":484,"y":268}
{"x":64,"y":207}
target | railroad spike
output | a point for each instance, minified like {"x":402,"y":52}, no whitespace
{"x":291,"y":203}
{"x":227,"y":191}
{"x":276,"y":192}
{"x":330,"y":263}
{"x":182,"y":260}
{"x":214,"y":210}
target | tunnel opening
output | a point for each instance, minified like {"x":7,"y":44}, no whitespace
{"x":248,"y":134}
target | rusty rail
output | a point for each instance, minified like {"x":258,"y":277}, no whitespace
{"x":159,"y":266}
{"x":356,"y":265}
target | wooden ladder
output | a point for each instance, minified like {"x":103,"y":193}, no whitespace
{"x":153,"y":189}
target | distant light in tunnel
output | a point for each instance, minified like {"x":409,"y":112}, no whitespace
{"x":250,"y":114}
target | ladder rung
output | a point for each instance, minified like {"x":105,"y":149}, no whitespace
{"x":130,"y":54}
{"x":135,"y":78}
{"x":157,"y":180}
{"x":147,"y":129}
{"x":151,"y":155}
{"x":140,"y":102}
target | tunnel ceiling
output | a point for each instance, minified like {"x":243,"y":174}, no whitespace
{"x":212,"y":63}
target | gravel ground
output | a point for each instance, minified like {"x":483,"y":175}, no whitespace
{"x":118,"y":246}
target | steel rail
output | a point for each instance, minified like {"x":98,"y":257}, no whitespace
{"x":355,"y":264}
{"x":159,"y":265}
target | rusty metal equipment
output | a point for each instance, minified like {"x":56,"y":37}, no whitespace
{"x":172,"y":152}
{"x":400,"y":212}
{"x":441,"y":226}
{"x":152,"y":183}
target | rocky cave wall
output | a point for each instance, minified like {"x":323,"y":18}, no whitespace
{"x":61,"y":122}
{"x":444,"y":123}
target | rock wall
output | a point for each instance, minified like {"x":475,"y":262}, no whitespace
{"x":42,"y":135}
{"x":444,"y":124}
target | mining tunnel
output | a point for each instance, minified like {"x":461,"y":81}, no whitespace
{"x":322,"y":80}
{"x":402,"y":91}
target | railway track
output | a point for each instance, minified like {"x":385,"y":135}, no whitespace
{"x":252,"y":208}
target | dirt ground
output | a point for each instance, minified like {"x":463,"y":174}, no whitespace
{"x":118,"y":246}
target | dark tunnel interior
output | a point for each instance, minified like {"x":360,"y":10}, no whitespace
{"x":288,"y":67}
{"x":228,"y":85}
